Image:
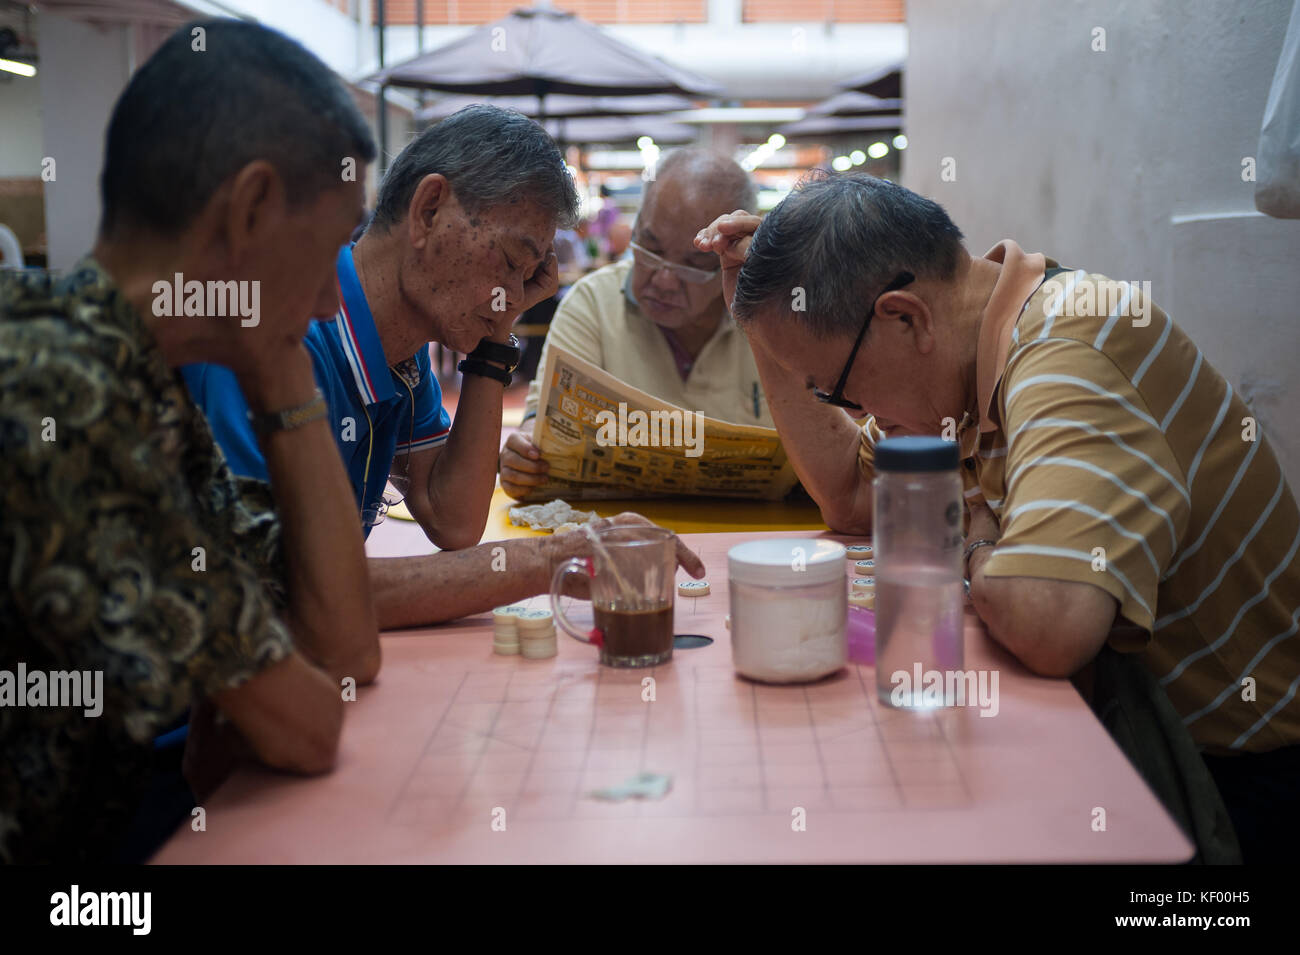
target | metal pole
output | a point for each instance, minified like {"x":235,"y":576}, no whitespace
{"x":382,"y":105}
{"x":419,"y":40}
{"x":383,"y":130}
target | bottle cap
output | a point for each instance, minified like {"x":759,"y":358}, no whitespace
{"x":916,"y":453}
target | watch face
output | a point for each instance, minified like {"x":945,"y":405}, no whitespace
{"x":512,"y":361}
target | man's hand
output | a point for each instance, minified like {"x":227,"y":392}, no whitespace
{"x":522,"y":466}
{"x":544,"y":282}
{"x":576,"y":544}
{"x":729,"y":236}
{"x":277,"y":379}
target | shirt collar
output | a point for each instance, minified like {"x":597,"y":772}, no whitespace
{"x":1022,"y":273}
{"x":360,"y":338}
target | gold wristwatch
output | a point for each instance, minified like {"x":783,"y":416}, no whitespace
{"x":290,"y":418}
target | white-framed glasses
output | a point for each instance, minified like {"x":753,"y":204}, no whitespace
{"x":647,"y":259}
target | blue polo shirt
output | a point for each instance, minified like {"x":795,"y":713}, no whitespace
{"x":376,"y":412}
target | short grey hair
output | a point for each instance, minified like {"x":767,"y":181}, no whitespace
{"x":490,"y":156}
{"x":842,"y":238}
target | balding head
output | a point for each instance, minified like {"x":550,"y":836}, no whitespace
{"x":700,"y":176}
{"x":691,"y":188}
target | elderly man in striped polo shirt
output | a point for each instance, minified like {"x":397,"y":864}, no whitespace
{"x":1118,"y":490}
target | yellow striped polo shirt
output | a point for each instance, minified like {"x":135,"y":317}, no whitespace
{"x":1114,"y":454}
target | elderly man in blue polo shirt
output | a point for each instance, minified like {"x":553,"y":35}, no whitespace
{"x":459,"y":245}
{"x":452,"y":255}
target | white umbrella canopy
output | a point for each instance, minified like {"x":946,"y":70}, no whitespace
{"x":816,"y":126}
{"x":853,"y":103}
{"x":611,"y":130}
{"x":562,"y":105}
{"x":540,"y":51}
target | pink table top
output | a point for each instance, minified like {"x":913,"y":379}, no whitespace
{"x":459,"y":755}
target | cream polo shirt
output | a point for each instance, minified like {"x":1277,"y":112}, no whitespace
{"x":598,"y":321}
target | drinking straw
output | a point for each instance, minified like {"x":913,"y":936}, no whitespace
{"x":630,"y":594}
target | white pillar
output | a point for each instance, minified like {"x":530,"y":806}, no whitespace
{"x":83,"y":69}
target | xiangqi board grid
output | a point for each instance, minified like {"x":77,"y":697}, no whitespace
{"x":533,"y":738}
{"x":449,"y":727}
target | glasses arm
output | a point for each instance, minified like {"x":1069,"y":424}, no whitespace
{"x":836,"y":397}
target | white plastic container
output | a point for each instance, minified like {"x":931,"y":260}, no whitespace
{"x":789,"y":604}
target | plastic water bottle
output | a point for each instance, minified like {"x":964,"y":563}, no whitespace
{"x":918,"y":546}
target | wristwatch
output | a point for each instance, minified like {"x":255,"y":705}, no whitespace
{"x":265,"y":423}
{"x":477,"y":361}
{"x":965,"y":560}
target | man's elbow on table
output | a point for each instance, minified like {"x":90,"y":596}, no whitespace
{"x":314,"y":752}
{"x":446,"y":528}
{"x":358,"y":658}
{"x":1054,"y":627}
{"x":366,"y":668}
{"x":848,"y":513}
{"x":290,"y":715}
{"x":847,"y":522}
{"x":455,"y":538}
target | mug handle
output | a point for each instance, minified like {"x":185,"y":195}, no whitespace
{"x":574,"y":565}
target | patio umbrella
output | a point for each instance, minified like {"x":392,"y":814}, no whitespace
{"x":886,"y":81}
{"x":619,"y":129}
{"x":537,"y":52}
{"x":562,"y":105}
{"x":853,"y":103}
{"x":815,"y":126}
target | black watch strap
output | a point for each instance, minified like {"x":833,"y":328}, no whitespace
{"x":476,"y":366}
{"x":506,"y":354}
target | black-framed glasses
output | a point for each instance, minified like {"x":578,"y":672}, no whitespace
{"x":836,"y":397}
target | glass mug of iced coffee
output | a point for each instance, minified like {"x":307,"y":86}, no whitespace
{"x":633,"y":578}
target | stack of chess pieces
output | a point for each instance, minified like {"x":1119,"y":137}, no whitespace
{"x":529,"y":633}
{"x":862,"y":587}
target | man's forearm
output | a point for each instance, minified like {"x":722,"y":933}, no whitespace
{"x":463,"y":478}
{"x":330,"y":608}
{"x":419,"y":591}
{"x":822,"y":442}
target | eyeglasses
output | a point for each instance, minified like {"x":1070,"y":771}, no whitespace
{"x":836,"y":397}
{"x":647,"y":259}
{"x":393,"y":495}
{"x":399,"y":481}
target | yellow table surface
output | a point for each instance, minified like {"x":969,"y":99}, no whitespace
{"x":681,"y":515}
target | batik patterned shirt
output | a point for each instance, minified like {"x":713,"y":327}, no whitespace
{"x":127,"y":548}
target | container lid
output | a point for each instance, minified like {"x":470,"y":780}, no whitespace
{"x":786,"y":562}
{"x":916,"y":453}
